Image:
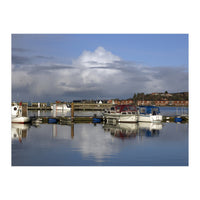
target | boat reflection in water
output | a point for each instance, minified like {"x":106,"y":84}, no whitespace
{"x":19,"y":131}
{"x":61,"y":113}
{"x":131,"y":130}
{"x":149,"y":129}
{"x":122,"y":130}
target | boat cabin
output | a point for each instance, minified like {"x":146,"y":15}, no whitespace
{"x":123,"y":109}
{"x":154,"y":110}
{"x":15,"y":110}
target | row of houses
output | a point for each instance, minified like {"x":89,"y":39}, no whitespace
{"x":148,"y":103}
{"x":163,"y":103}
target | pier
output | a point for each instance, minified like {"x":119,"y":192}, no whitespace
{"x":77,"y":107}
{"x":39,"y":108}
{"x":183,"y":118}
{"x":91,"y":106}
{"x":98,"y":119}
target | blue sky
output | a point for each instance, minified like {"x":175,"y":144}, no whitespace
{"x":81,"y":66}
{"x":152,"y":49}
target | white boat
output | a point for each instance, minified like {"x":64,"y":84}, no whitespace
{"x":149,"y":114}
{"x":16,"y":115}
{"x":121,"y":113}
{"x":61,"y":107}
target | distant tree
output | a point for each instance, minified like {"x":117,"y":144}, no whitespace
{"x":166,"y":92}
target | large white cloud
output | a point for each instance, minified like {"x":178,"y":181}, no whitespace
{"x":99,"y":58}
{"x":95,"y":74}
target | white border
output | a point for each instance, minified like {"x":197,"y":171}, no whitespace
{"x":99,"y":17}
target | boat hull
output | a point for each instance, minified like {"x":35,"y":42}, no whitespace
{"x":118,"y":117}
{"x":178,"y":119}
{"x":52,"y":120}
{"x":149,"y":118}
{"x":21,"y":120}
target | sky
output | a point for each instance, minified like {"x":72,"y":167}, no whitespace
{"x":67,"y":67}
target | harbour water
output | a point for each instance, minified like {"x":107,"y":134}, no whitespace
{"x":88,"y":144}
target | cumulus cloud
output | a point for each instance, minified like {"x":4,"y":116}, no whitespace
{"x":99,"y":58}
{"x":97,"y":68}
{"x":92,"y":75}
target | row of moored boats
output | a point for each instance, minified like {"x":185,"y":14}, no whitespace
{"x":131,"y":113}
{"x":117,"y":113}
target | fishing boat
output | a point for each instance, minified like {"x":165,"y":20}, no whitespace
{"x":121,"y":113}
{"x":149,"y":114}
{"x":19,"y":115}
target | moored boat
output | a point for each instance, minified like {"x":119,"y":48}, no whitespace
{"x":178,"y":119}
{"x":121,"y":113}
{"x":52,"y":120}
{"x":17,"y":115}
{"x":61,"y":107}
{"x":149,"y":114}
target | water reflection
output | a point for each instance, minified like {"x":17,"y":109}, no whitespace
{"x":131,"y":130}
{"x":120,"y":130}
{"x":61,"y":113}
{"x":19,"y":131}
{"x":149,"y":129}
{"x":40,"y":113}
{"x":61,"y":131}
{"x":100,"y":144}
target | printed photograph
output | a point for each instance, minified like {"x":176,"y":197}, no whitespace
{"x":99,"y":100}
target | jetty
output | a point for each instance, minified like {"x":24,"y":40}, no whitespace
{"x":91,"y":106}
{"x":98,"y":119}
{"x":87,"y":119}
{"x":77,"y":106}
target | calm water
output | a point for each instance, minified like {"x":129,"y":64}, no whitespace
{"x":139,"y":144}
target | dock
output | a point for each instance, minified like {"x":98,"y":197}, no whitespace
{"x":96,"y":119}
{"x":78,"y":107}
{"x":39,"y":108}
{"x":91,"y":106}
